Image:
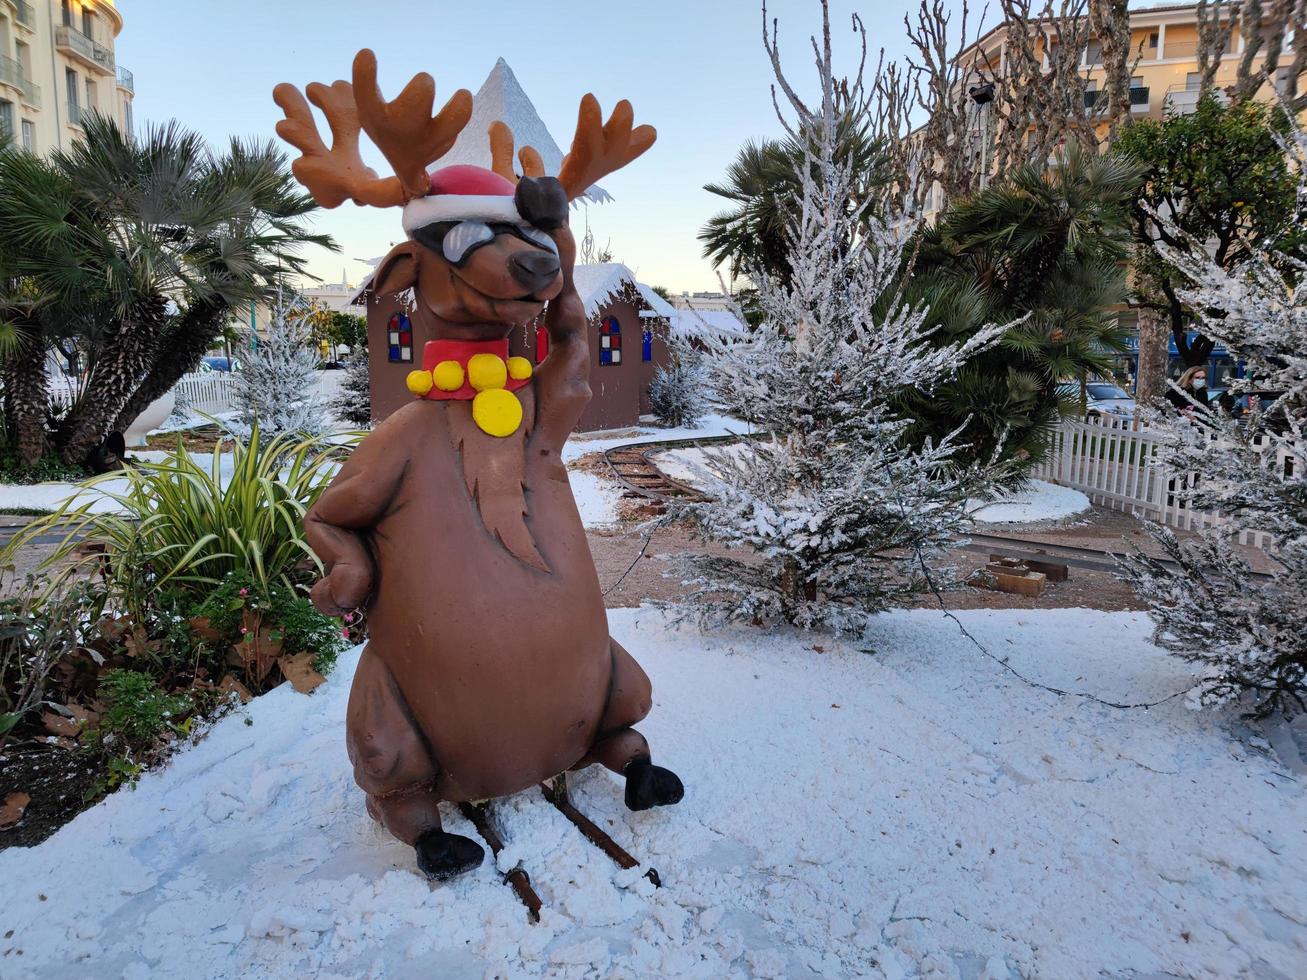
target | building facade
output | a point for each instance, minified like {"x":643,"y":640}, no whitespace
{"x":1164,"y":79}
{"x":57,"y":65}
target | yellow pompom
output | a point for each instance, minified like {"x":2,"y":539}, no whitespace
{"x":419,"y":382}
{"x":519,"y":368}
{"x":497,"y":412}
{"x":486,"y":371}
{"x":448,"y":375}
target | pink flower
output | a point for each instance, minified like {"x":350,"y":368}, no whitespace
{"x":244,"y":630}
{"x":345,"y":633}
{"x":349,"y":617}
{"x":245,"y":592}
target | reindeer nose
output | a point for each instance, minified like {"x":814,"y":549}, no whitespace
{"x":533,"y":268}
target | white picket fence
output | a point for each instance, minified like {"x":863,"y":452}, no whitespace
{"x":1113,"y":462}
{"x":210,"y":392}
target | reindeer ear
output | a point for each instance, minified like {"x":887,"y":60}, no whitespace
{"x":398,"y":271}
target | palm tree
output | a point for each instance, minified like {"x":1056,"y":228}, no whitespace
{"x":143,"y":246}
{"x":763,"y":184}
{"x":1046,"y":244}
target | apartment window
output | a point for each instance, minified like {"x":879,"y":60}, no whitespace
{"x":1094,"y":53}
{"x":6,"y":119}
{"x":1193,"y":81}
{"x":92,"y":95}
{"x":67,"y":7}
{"x":74,"y":97}
{"x":127,"y":115}
{"x":29,"y":135}
{"x":24,"y":59}
{"x":1154,"y":39}
{"x":88,"y":22}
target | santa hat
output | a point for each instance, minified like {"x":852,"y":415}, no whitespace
{"x":463,"y":193}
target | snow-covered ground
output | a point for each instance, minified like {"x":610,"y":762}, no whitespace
{"x":584,"y":443}
{"x":1040,"y":501}
{"x":903,"y":809}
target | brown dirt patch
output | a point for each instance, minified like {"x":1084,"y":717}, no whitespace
{"x":59,"y":781}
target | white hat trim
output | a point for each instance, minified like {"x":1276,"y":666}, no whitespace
{"x":460,"y":207}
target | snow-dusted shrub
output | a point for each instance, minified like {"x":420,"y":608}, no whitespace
{"x":353,"y":402}
{"x":275,"y":388}
{"x":1249,"y":635}
{"x":839,"y":514}
{"x":678,"y":393}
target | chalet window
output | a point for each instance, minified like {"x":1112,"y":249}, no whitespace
{"x":646,"y":346}
{"x":610,"y":342}
{"x":399,"y":339}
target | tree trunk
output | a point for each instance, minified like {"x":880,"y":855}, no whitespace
{"x":1111,"y":22}
{"x":28,"y":396}
{"x":1154,"y":347}
{"x":122,"y":360}
{"x":195,"y":334}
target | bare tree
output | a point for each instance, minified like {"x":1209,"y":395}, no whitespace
{"x":1214,"y":32}
{"x":1110,"y":20}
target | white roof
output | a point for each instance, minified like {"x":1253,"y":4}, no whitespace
{"x":501,"y":98}
{"x":691,"y":322}
{"x":599,"y":282}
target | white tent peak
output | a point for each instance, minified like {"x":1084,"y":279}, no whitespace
{"x":502,"y":98}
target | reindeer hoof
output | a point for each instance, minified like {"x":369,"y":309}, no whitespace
{"x":442,"y":856}
{"x":648,"y":786}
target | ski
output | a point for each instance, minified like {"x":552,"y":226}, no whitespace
{"x":556,"y":793}
{"x":518,"y":878}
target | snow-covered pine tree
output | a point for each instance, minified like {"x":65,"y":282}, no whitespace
{"x":352,"y":404}
{"x":678,"y":393}
{"x":1248,"y":634}
{"x":838,"y":513}
{"x":275,"y":388}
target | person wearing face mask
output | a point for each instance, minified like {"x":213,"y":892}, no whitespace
{"x":1192,"y":389}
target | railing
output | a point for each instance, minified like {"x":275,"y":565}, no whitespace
{"x":1138,"y":99}
{"x":80,"y":44}
{"x":1180,"y":49}
{"x":11,"y":72}
{"x":26,"y":16}
{"x":126,"y":79}
{"x":1113,"y":461}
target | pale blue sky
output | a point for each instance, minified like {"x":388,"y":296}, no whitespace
{"x":695,"y":69}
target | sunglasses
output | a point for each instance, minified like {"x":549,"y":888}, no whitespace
{"x":457,"y":240}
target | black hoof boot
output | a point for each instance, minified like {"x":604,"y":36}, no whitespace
{"x":648,"y":785}
{"x":442,"y":855}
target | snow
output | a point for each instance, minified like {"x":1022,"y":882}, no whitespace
{"x":585,"y":443}
{"x":1040,"y":501}
{"x":688,"y":465}
{"x":596,"y":498}
{"x":903,"y":809}
{"x":693,"y":323}
{"x":598,"y":282}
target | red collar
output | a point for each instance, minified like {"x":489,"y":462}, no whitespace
{"x":438,"y":351}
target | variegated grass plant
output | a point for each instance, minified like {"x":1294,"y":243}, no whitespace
{"x":181,"y":525}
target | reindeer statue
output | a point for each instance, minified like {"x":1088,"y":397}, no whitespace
{"x":489,"y":666}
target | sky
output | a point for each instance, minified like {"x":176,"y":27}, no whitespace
{"x":694,"y":69}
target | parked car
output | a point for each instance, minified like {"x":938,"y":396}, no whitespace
{"x":1102,"y":398}
{"x":218,"y":363}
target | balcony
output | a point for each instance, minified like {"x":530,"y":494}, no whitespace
{"x":75,"y":44}
{"x":1181,"y":100}
{"x":26,"y":16}
{"x":11,"y":74}
{"x":126,"y":80}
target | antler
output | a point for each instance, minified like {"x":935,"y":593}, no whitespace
{"x":332,"y":175}
{"x":404,"y":129}
{"x":501,"y":154}
{"x":599,"y":149}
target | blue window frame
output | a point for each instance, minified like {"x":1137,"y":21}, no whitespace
{"x":610,"y":342}
{"x":646,"y":346}
{"x":399,"y":339}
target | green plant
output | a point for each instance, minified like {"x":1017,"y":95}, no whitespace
{"x":136,"y":711}
{"x":299,"y":626}
{"x":46,"y":468}
{"x":186,"y":527}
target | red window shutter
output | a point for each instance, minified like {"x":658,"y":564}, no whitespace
{"x":542,"y":343}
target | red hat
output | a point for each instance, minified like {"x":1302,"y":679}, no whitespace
{"x":462,"y":193}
